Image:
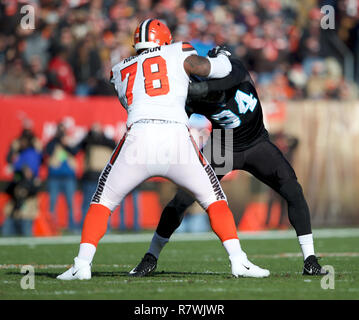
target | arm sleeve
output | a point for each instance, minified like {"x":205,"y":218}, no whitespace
{"x":220,"y":66}
{"x":237,"y":75}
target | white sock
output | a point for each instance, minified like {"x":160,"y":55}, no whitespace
{"x":307,"y":245}
{"x":86,"y":252}
{"x":233,"y":247}
{"x":157,"y":244}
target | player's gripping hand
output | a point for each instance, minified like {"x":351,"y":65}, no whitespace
{"x":219,"y":50}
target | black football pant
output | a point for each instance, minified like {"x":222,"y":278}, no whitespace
{"x":268,"y":164}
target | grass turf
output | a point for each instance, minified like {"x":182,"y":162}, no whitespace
{"x":186,"y":270}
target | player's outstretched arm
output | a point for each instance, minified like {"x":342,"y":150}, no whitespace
{"x":198,"y":90}
{"x":217,"y":67}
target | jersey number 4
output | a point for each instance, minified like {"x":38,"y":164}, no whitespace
{"x":228,"y":119}
{"x":245,"y":101}
{"x":155,"y":74}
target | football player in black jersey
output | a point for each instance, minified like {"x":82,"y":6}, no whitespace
{"x":232,"y":105}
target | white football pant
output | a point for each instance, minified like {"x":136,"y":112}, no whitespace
{"x":157,"y":148}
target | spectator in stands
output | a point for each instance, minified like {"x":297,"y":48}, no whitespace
{"x":86,"y":64}
{"x":14,"y":78}
{"x":22,"y":208}
{"x":98,"y":149}
{"x":25,"y":151}
{"x":24,"y":158}
{"x":267,"y":35}
{"x":61,"y":171}
{"x":37,"y":80}
{"x":316,"y":83}
{"x":60,"y":73}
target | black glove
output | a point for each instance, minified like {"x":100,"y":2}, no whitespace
{"x":219,"y":50}
{"x":197,"y":90}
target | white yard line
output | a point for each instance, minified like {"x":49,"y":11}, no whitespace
{"x":297,"y":255}
{"x":270,"y":256}
{"x":55,"y":266}
{"x":146,"y":237}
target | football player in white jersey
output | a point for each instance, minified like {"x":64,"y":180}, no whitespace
{"x":152,"y":86}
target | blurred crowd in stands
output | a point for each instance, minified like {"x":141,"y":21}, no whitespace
{"x":62,"y":166}
{"x":25,"y":157}
{"x":76,"y":42}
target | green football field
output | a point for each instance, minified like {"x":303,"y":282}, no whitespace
{"x":190,"y":267}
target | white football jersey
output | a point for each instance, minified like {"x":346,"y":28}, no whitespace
{"x":154,"y":84}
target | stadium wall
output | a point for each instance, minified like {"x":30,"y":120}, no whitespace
{"x":326,"y":160}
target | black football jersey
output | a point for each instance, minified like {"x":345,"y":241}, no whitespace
{"x":239,"y":108}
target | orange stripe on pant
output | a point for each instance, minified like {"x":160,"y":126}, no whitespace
{"x":118,"y":149}
{"x":95,"y":224}
{"x":199,"y":153}
{"x":222,"y":222}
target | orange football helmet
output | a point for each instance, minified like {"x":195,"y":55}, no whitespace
{"x":151,"y":33}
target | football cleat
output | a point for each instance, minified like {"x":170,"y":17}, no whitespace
{"x":313,"y":268}
{"x":242,"y":267}
{"x":147,"y":265}
{"x":81,"y":270}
